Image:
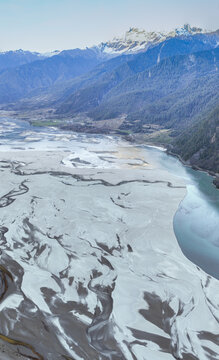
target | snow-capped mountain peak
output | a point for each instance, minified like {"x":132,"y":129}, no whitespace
{"x":137,"y":40}
{"x":187,"y":30}
{"x":50,"y":54}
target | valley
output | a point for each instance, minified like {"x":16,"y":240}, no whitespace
{"x":162,"y":88}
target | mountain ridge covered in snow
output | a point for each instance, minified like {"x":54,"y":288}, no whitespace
{"x":138,"y":40}
{"x":134,"y":40}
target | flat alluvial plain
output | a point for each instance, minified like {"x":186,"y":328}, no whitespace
{"x":90,"y":265}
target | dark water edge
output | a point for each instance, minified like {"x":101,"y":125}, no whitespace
{"x":196,"y":222}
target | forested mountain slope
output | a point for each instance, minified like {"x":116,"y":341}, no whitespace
{"x":199,"y":145}
{"x":171,"y":93}
{"x":18,"y":82}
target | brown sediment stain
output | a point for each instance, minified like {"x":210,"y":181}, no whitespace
{"x":20,"y":343}
{"x":5,"y":273}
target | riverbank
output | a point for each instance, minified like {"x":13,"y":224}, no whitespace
{"x":136,"y":139}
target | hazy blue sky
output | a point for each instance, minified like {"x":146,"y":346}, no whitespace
{"x":60,"y":24}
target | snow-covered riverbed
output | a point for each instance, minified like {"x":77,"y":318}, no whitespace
{"x":90,"y":266}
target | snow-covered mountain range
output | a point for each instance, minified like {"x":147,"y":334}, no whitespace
{"x":133,"y":41}
{"x":136,"y":40}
